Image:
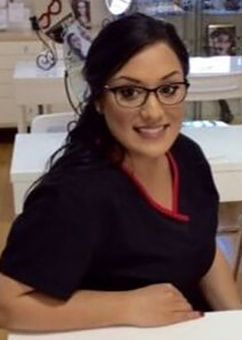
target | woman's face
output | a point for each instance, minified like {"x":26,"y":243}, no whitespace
{"x":222,"y":44}
{"x":76,"y":42}
{"x":81,"y":6}
{"x":151,"y":129}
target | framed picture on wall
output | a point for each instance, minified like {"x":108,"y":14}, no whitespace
{"x":221,"y":39}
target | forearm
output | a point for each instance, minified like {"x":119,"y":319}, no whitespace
{"x":21,"y":309}
{"x":219,"y":287}
{"x":85,"y":309}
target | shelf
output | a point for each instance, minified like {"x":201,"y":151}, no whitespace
{"x":15,"y":35}
{"x":221,"y":12}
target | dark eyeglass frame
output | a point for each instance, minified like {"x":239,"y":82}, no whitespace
{"x":147,"y":92}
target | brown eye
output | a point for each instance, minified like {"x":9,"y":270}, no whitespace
{"x":128,"y":92}
{"x":168,"y":90}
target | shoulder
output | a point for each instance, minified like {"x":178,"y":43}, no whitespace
{"x":187,"y":149}
{"x":73,"y":202}
{"x":76,"y":186}
{"x":190,"y":157}
{"x":193,"y":165}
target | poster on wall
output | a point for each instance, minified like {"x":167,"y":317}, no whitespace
{"x":221,"y":39}
{"x":81,"y":10}
{"x":76,"y":42}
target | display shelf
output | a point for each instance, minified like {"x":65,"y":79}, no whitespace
{"x":221,"y":12}
{"x":16,"y":35}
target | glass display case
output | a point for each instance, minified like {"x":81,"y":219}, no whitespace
{"x":180,"y":13}
{"x":220,"y":33}
{"x":207,"y":27}
{"x":221,"y":27}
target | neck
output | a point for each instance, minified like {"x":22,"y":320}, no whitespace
{"x":155,"y":176}
{"x":144,"y":167}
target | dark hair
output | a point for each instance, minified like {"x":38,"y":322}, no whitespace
{"x":223,"y":31}
{"x":90,"y":140}
{"x":74,"y":5}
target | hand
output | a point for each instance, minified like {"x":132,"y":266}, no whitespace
{"x":158,"y":305}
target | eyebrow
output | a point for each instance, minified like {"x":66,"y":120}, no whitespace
{"x":140,"y":82}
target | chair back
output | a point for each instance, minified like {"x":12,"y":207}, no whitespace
{"x":52,"y":122}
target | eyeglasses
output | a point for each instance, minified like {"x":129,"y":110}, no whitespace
{"x":131,"y":96}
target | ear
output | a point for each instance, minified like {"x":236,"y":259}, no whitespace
{"x":98,"y":107}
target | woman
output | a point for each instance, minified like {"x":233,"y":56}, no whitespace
{"x":74,"y":42}
{"x":81,"y":9}
{"x":121,"y":230}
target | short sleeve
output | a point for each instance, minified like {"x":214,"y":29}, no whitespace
{"x":51,"y":243}
{"x":196,"y":166}
{"x":200,"y":200}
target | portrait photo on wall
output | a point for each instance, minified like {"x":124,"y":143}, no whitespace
{"x":81,"y":10}
{"x":221,"y":39}
{"x":76,"y":43}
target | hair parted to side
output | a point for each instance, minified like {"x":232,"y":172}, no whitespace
{"x":116,"y":43}
{"x":122,"y":39}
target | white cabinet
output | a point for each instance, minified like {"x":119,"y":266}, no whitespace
{"x":14,"y":47}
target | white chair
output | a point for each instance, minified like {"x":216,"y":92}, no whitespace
{"x":52,"y":122}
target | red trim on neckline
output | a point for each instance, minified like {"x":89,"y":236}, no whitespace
{"x":175,"y":191}
{"x":175,"y":182}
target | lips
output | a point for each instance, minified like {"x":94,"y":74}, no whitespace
{"x":152,"y":132}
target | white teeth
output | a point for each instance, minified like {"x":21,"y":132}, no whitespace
{"x":151,"y":130}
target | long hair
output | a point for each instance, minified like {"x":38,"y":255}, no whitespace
{"x":74,"y":5}
{"x":90,"y":140}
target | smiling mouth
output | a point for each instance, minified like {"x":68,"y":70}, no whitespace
{"x":152,"y":132}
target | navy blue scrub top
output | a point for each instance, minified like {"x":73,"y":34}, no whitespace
{"x":96,"y":228}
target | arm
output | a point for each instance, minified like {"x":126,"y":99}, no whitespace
{"x":218,"y":285}
{"x":22,"y":308}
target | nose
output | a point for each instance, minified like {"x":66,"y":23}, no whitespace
{"x":152,"y":109}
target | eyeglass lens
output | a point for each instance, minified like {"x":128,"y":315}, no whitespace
{"x":134,"y":96}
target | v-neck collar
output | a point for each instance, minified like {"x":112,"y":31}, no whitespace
{"x":174,"y":212}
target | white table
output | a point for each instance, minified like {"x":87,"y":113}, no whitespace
{"x":223,"y":149}
{"x":213,"y":326}
{"x":222,"y":146}
{"x":211,"y":78}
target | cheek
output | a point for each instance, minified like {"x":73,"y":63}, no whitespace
{"x":117,"y":121}
{"x":177,"y":113}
